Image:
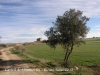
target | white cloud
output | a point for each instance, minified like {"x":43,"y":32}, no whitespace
{"x":34,"y":17}
{"x":15,"y":34}
{"x":37,"y":30}
{"x":93,"y":34}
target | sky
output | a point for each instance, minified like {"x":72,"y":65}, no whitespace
{"x":27,"y":20}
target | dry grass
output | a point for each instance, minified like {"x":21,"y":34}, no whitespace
{"x":96,"y":73}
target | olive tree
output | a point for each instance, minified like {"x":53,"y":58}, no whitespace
{"x":68,"y":30}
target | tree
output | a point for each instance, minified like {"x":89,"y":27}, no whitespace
{"x":68,"y":30}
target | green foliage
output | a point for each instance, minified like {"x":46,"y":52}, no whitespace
{"x":18,"y":53}
{"x":68,"y":30}
{"x":14,"y":51}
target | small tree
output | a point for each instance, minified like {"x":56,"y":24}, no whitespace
{"x":68,"y":30}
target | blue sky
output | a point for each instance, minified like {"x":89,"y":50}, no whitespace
{"x":26,"y":20}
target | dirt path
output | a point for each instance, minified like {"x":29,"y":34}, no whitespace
{"x":11,"y":64}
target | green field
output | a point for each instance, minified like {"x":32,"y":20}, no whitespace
{"x":86,"y":55}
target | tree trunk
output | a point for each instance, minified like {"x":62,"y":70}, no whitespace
{"x":66,"y":57}
{"x":67,"y":54}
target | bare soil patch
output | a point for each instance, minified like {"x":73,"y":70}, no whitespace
{"x":11,"y":64}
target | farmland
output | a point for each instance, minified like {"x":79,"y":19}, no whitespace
{"x":86,"y":55}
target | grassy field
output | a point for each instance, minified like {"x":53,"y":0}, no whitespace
{"x":86,"y":55}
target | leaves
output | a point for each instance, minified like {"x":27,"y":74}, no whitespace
{"x":68,"y":30}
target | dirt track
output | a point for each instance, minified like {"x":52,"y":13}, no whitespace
{"x":11,"y":64}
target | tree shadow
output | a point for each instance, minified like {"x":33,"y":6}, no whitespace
{"x":10,"y":64}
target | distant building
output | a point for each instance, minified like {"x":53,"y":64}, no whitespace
{"x":39,"y":39}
